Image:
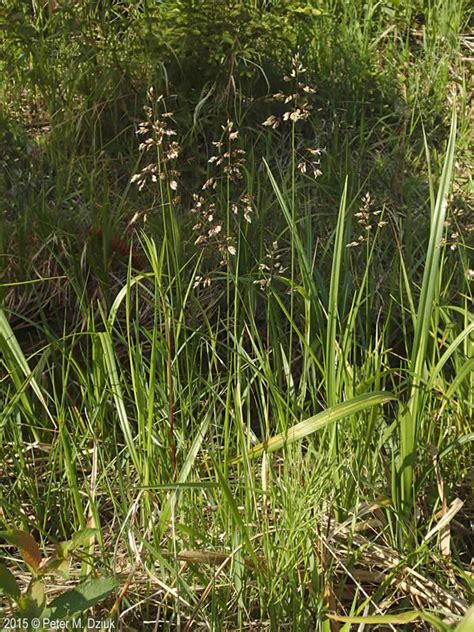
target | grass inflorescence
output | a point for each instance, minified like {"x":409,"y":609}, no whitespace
{"x":236,"y":323}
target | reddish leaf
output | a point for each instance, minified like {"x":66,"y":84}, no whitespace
{"x":26,"y":544}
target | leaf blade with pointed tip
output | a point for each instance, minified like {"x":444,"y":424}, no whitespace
{"x":26,"y":544}
{"x":322,"y":419}
{"x":393,"y":619}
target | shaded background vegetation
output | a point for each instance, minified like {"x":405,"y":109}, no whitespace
{"x":248,"y":340}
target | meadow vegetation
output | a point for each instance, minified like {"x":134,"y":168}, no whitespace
{"x":236,"y":309}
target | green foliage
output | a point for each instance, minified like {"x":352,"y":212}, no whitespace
{"x":80,"y":599}
{"x":322,"y":420}
{"x":31,"y":604}
{"x":8,"y":583}
{"x":241,"y":342}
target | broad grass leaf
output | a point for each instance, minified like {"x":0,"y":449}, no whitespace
{"x":8,"y":341}
{"x":321,"y":420}
{"x":394,"y":619}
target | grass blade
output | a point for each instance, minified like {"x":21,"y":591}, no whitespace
{"x":114,"y":382}
{"x":410,"y":420}
{"x":8,"y":338}
{"x":321,"y":420}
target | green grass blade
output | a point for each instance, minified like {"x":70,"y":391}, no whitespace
{"x":448,"y":353}
{"x":114,"y":382}
{"x":411,"y":418}
{"x":290,"y":220}
{"x":395,"y":619}
{"x":8,"y":338}
{"x":321,"y":420}
{"x":185,"y":471}
{"x":333,"y":316}
{"x":232,"y":505}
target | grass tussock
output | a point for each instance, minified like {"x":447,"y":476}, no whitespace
{"x":236,"y":324}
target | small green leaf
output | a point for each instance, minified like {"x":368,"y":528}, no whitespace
{"x":36,"y":592}
{"x":83,"y":538}
{"x":27,"y":546}
{"x":56,"y":566}
{"x":307,"y":11}
{"x":63,"y":569}
{"x":33,"y":602}
{"x":82,"y":597}
{"x":8,"y":583}
{"x":62,"y":550}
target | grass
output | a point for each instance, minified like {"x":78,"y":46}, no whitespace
{"x":260,"y":395}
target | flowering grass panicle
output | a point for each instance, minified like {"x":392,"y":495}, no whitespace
{"x":298,"y":100}
{"x":368,"y":220}
{"x":310,"y":162}
{"x":227,"y":164}
{"x":245,"y":206}
{"x":229,"y":158}
{"x":271,"y":266}
{"x":158,"y":137}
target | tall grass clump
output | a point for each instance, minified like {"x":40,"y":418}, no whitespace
{"x":426,"y":314}
{"x":236,"y":330}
